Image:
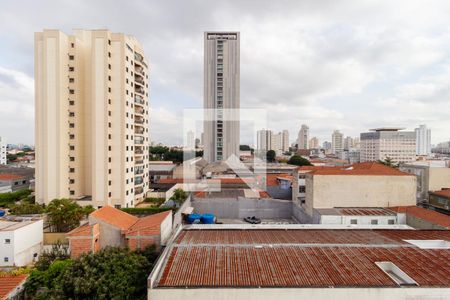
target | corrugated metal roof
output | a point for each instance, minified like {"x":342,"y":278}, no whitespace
{"x":301,"y":258}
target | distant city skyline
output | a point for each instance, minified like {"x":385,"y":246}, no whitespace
{"x":337,"y":68}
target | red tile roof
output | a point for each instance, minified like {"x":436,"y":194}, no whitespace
{"x":367,"y":168}
{"x":272,"y":179}
{"x":115,"y":217}
{"x":149,"y":221}
{"x":9,"y":282}
{"x":443,"y":193}
{"x":302,"y":258}
{"x":83,"y":230}
{"x":8,"y":177}
{"x":424,"y":214}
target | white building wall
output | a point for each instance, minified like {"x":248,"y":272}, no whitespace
{"x":24,"y":243}
{"x":423,"y":140}
{"x":3,"y":145}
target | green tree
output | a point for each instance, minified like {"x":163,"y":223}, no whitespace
{"x":9,"y":198}
{"x":270,"y":155}
{"x":26,"y":208}
{"x":179,"y":196}
{"x":11,"y":157}
{"x":59,"y":251}
{"x":299,"y":161}
{"x":66,"y":214}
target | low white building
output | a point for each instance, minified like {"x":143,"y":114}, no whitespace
{"x":21,"y":241}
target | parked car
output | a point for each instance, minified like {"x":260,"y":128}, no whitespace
{"x":252,"y":220}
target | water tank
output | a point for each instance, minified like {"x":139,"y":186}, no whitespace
{"x":192,"y":217}
{"x":2,"y":213}
{"x":208,"y":219}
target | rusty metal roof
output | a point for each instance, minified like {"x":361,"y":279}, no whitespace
{"x":302,"y":258}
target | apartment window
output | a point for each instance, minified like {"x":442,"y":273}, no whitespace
{"x":71,"y":114}
{"x":72,"y":45}
{"x":7,"y":241}
{"x":72,"y":193}
{"x":109,"y":136}
{"x":72,"y":158}
{"x":109,"y":159}
{"x":391,"y":222}
{"x":109,"y":194}
{"x":127,"y":92}
{"x":109,"y":182}
{"x":109,"y":90}
{"x":72,"y":170}
{"x":109,"y":148}
{"x":109,"y":78}
{"x":118,"y":206}
{"x":109,"y":113}
{"x":71,"y":57}
{"x":6,"y":259}
{"x":71,"y":102}
{"x":374,"y":222}
{"x":71,"y":125}
{"x":71,"y":69}
{"x":109,"y":66}
{"x":109,"y":101}
{"x":109,"y":171}
{"x":126,"y":69}
{"x":353,"y":221}
{"x":109,"y":124}
{"x":109,"y":54}
{"x":72,"y":147}
{"x":72,"y":181}
{"x":71,"y":80}
{"x":71,"y":136}
{"x":72,"y":91}
{"x":127,"y":193}
{"x":109,"y":42}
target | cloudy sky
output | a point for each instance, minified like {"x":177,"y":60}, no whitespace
{"x":347,"y":65}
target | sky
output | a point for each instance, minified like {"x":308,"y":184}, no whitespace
{"x":346,"y":65}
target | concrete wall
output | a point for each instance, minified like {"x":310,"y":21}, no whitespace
{"x":177,"y":217}
{"x":421,"y":224}
{"x":439,"y":178}
{"x":110,"y":235}
{"x":51,"y":238}
{"x":232,"y":208}
{"x":327,"y":191}
{"x":300,"y":293}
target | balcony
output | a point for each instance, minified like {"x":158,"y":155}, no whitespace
{"x":139,"y":162}
{"x":139,"y":111}
{"x":139,"y":70}
{"x":139,"y":100}
{"x":138,"y":191}
{"x":138,"y":151}
{"x":139,"y":80}
{"x":138,"y":140}
{"x":138,"y":180}
{"x":139,"y":89}
{"x":138,"y":171}
{"x":139,"y":130}
{"x":139,"y":59}
{"x":139,"y":121}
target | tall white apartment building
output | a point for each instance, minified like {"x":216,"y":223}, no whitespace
{"x":423,"y":140}
{"x":285,"y":142}
{"x":221,"y":92}
{"x":303,"y":137}
{"x":348,"y":143}
{"x":3,"y":158}
{"x":264,"y":141}
{"x":337,"y":142}
{"x":381,"y":143}
{"x":314,"y":143}
{"x":91,"y":92}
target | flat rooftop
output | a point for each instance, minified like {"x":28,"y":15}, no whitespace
{"x":356,"y":211}
{"x":252,"y":258}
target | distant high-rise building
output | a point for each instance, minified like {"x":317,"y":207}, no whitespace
{"x":264,"y":141}
{"x":3,"y":145}
{"x":91,"y":118}
{"x":326,"y":145}
{"x":221,"y":91}
{"x":390,"y":142}
{"x":423,"y":140}
{"x":303,"y":137}
{"x":337,"y":142}
{"x":314,"y":143}
{"x":285,"y":144}
{"x":348,"y":143}
{"x":190,"y":140}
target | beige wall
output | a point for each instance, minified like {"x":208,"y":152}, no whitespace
{"x":92,"y":130}
{"x":439,"y":178}
{"x":327,"y":191}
